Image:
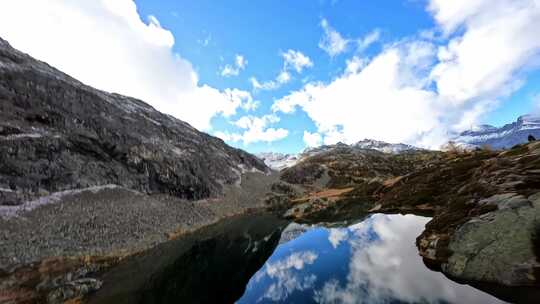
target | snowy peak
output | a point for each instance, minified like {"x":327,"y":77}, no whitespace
{"x":384,"y":146}
{"x":504,"y":137}
{"x":278,"y":161}
{"x":527,"y":122}
{"x":366,"y":144}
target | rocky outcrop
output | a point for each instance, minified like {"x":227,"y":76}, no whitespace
{"x":484,"y":204}
{"x":57,"y":134}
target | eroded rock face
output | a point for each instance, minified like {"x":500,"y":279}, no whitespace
{"x":58,"y":134}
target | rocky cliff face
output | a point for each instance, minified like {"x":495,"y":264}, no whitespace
{"x":58,"y":134}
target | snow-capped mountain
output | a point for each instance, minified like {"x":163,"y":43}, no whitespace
{"x":501,"y":138}
{"x":384,"y":146}
{"x":278,"y":161}
{"x":369,"y":144}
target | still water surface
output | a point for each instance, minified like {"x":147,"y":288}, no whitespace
{"x":374,"y":261}
{"x":264,"y":259}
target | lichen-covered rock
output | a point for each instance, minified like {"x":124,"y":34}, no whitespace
{"x":58,"y":134}
{"x":498,"y":246}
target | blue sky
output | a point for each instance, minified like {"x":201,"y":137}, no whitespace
{"x":264,"y":29}
{"x":283,"y":75}
{"x":210,"y":34}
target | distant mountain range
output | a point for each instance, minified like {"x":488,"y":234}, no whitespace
{"x":504,"y":137}
{"x":279,"y":161}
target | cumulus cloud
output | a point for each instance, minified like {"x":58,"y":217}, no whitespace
{"x":107,"y":45}
{"x":287,"y":275}
{"x":292,"y":60}
{"x":385,"y":267}
{"x":296,"y":60}
{"x":255,"y":130}
{"x":501,"y":38}
{"x":312,"y":139}
{"x":240,"y":64}
{"x":419,"y":92}
{"x":369,"y":103}
{"x":336,"y":236}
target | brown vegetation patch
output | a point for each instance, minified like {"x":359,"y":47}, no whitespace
{"x":331,"y":194}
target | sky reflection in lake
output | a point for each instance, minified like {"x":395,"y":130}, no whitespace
{"x":374,"y":261}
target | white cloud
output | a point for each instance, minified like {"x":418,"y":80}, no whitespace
{"x":297,"y":60}
{"x":337,"y":236}
{"x":106,"y":45}
{"x":381,"y":101}
{"x":418,"y":93}
{"x":385,"y":267}
{"x":332,"y":42}
{"x":287,"y":275}
{"x":500,"y":39}
{"x":255,"y":130}
{"x":267,"y":85}
{"x":312,"y":139}
{"x":354,"y":65}
{"x":283,"y":77}
{"x":240,"y":64}
{"x":240,"y":99}
{"x":292,"y":59}
{"x":369,"y":39}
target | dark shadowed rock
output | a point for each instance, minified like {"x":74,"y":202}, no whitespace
{"x":58,"y":134}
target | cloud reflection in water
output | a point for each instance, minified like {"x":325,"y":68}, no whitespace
{"x":374,"y":261}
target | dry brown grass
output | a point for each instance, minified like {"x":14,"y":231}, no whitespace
{"x":328,"y":194}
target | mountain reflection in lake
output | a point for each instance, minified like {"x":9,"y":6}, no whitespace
{"x":374,"y":261}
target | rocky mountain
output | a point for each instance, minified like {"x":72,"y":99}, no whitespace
{"x":501,"y":138}
{"x":369,"y":144}
{"x":278,"y":161}
{"x":384,"y":146}
{"x":57,"y":134}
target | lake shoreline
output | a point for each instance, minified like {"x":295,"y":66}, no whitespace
{"x":66,"y":242}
